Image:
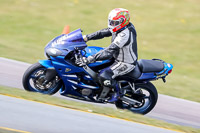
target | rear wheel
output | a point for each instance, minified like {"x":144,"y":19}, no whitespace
{"x":145,"y":96}
{"x":34,"y":80}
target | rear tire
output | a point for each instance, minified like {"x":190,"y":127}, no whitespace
{"x":146,"y":107}
{"x":33,"y":78}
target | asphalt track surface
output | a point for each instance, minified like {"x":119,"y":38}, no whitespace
{"x":43,"y":118}
{"x":170,"y":109}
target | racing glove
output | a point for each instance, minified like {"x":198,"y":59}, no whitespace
{"x":85,"y":38}
{"x":84,"y":61}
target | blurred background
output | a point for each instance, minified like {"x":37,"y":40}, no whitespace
{"x":167,"y":29}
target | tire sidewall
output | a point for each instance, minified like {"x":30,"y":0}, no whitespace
{"x":154,"y":95}
{"x":29,"y":71}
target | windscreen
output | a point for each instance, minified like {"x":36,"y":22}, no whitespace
{"x":69,"y":41}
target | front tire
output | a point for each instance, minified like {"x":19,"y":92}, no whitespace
{"x":146,"y":94}
{"x":34,"y":78}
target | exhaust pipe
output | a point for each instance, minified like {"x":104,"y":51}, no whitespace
{"x":129,"y":100}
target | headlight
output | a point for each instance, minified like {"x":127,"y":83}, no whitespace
{"x":45,"y":55}
{"x":53,"y":52}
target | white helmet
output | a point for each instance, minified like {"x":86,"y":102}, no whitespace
{"x":117,"y":19}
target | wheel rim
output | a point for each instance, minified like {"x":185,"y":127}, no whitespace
{"x":146,"y":101}
{"x":36,"y":80}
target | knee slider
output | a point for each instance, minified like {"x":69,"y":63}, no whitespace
{"x":105,"y":79}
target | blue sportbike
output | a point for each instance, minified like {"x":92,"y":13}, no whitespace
{"x":61,"y":73}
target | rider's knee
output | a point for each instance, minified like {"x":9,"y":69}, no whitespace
{"x":105,"y":78}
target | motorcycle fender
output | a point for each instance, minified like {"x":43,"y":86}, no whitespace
{"x":46,"y":63}
{"x":51,"y":71}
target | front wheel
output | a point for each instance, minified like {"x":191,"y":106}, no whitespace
{"x":34,"y":80}
{"x":146,"y":96}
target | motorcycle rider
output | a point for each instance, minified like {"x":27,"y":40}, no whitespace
{"x":123,"y":48}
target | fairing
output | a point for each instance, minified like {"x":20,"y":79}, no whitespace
{"x":67,"y":42}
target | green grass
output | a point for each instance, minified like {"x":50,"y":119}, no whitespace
{"x":122,"y":114}
{"x":169,"y":30}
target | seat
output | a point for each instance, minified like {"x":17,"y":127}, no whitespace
{"x":133,"y":75}
{"x":149,"y":66}
{"x":143,"y":66}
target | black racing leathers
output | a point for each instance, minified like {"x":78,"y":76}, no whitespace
{"x":123,"y":47}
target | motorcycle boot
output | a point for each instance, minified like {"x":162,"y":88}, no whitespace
{"x":117,"y":94}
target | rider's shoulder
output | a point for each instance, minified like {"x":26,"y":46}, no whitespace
{"x":124,"y":33}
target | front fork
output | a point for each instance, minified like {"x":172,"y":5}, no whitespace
{"x":50,"y":72}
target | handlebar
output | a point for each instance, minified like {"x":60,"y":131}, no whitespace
{"x":78,"y":53}
{"x":79,"y":57}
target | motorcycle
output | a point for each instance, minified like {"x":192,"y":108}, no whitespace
{"x":60,"y":73}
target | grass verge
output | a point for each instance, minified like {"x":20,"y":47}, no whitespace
{"x":94,"y":109}
{"x":9,"y":130}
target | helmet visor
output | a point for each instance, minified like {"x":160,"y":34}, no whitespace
{"x":114,"y":22}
